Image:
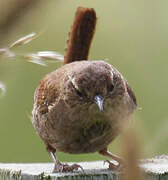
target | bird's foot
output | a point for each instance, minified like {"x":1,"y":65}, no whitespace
{"x":60,"y":167}
{"x":112,"y":166}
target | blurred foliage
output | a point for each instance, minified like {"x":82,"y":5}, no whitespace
{"x":131,"y":35}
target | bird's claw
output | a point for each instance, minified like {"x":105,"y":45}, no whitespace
{"x":59,"y":167}
{"x":112,"y":166}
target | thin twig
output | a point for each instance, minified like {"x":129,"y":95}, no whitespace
{"x":132,"y":155}
{"x":12,"y":12}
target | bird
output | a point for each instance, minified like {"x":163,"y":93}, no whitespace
{"x":84,"y":105}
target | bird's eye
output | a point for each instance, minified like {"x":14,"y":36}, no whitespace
{"x":79,"y":93}
{"x":111,"y":87}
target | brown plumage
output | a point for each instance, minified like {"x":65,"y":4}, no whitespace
{"x":81,"y":35}
{"x":82,"y":106}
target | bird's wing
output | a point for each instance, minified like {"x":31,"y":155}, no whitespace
{"x":131,"y":93}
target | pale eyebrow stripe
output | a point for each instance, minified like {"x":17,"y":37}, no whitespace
{"x":111,"y":72}
{"x":73,"y":82}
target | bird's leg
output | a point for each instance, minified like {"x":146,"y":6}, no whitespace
{"x":112,"y":166}
{"x":60,"y":167}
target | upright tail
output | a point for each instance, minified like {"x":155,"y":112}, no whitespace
{"x":81,"y":35}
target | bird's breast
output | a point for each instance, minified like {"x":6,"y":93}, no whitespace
{"x":82,"y":129}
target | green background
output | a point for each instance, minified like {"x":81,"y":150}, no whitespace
{"x":131,"y":34}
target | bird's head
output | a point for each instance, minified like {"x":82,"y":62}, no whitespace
{"x":91,"y":82}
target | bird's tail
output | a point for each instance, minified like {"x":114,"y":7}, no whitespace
{"x":81,"y":35}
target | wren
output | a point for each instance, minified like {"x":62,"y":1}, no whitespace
{"x":84,"y":105}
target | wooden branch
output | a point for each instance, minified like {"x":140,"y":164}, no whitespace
{"x":155,"y":169}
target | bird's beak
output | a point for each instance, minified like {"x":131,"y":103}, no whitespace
{"x":99,"y":101}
